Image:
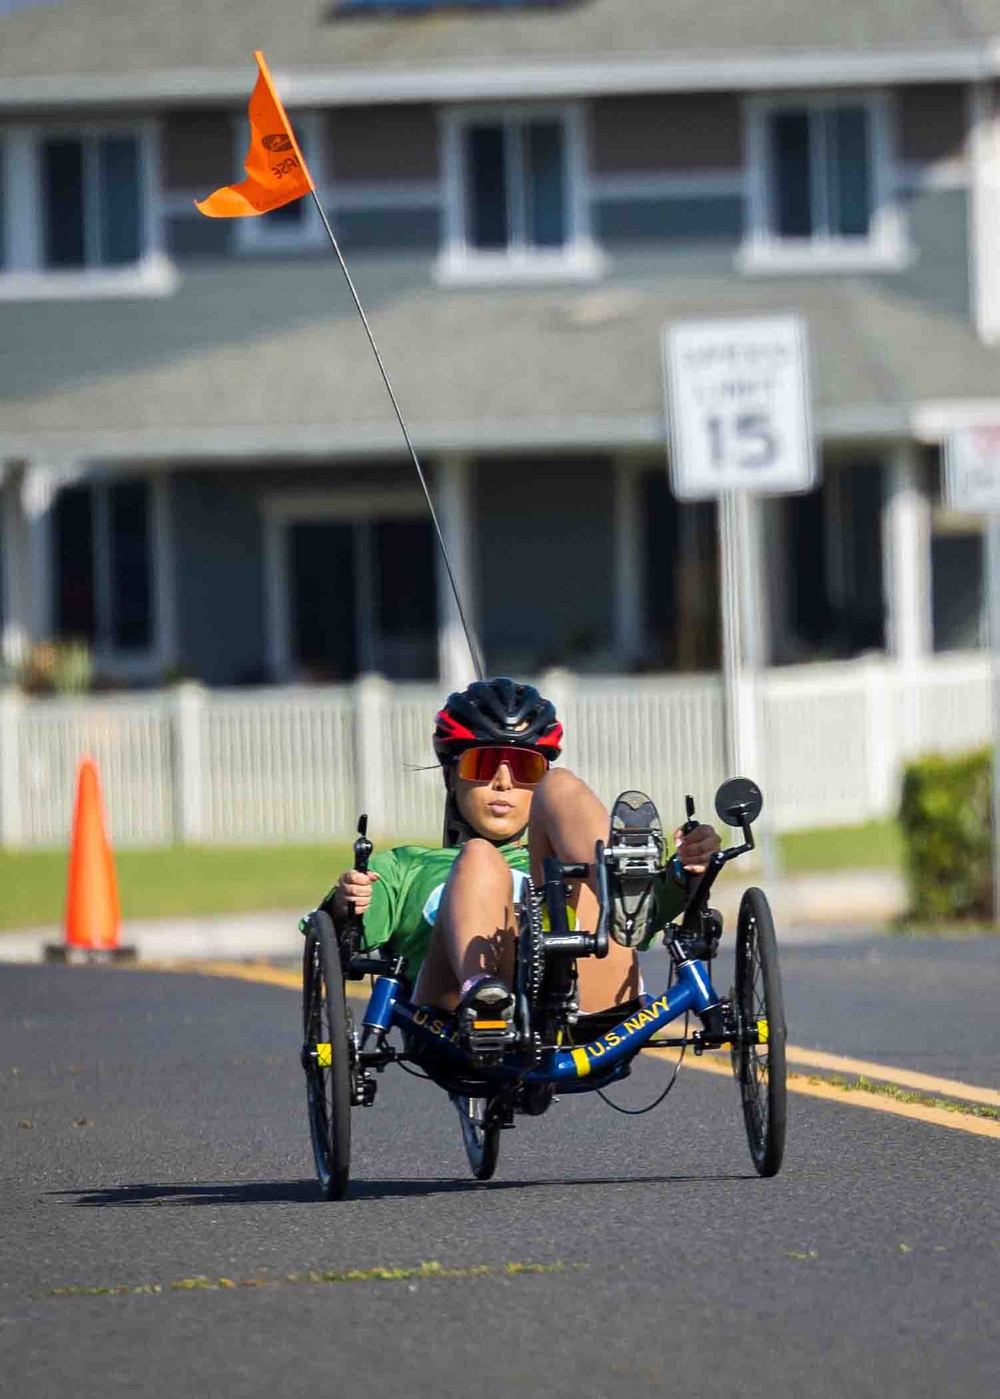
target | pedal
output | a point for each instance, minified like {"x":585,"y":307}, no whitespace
{"x":633,"y":856}
{"x":488,"y":1039}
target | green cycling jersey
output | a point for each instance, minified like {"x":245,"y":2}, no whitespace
{"x":407,"y":896}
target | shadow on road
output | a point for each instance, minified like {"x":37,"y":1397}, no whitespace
{"x":306,"y":1192}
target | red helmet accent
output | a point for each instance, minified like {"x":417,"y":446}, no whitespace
{"x":553,"y":739}
{"x":449,"y":728}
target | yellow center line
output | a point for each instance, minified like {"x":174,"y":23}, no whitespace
{"x":905,"y":1078}
{"x":233,"y":971}
{"x":878,"y":1102}
{"x":264,"y":973}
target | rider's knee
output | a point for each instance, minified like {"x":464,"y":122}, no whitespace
{"x":557,"y":784}
{"x":482,"y":859}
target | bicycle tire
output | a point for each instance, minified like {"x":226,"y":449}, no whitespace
{"x":328,"y":1084}
{"x":759,"y":1004}
{"x":480,"y":1134}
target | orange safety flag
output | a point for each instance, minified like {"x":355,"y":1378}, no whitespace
{"x":275,"y":166}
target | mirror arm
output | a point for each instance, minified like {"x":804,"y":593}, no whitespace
{"x":699,"y":899}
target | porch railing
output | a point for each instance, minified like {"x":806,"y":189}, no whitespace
{"x":298,"y":764}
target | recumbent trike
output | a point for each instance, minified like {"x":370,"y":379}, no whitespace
{"x":517,"y":1067}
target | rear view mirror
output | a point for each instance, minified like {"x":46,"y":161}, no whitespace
{"x":738,"y":801}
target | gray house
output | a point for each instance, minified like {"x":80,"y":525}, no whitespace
{"x":200,"y":472}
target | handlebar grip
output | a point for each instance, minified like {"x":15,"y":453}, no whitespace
{"x":691,"y":824}
{"x":362,"y":846}
{"x":362,"y":854}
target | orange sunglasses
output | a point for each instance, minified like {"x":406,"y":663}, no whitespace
{"x":527,"y":766}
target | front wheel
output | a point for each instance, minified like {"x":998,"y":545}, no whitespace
{"x":480,"y":1134}
{"x":759,"y":1049}
{"x":326,"y":1056}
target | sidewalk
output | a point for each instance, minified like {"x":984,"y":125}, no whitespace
{"x":832,"y":906}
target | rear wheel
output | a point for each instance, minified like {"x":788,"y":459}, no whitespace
{"x":326,"y":1056}
{"x":480,"y":1134}
{"x":759,"y":1051}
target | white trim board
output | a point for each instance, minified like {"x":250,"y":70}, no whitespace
{"x":471,"y":81}
{"x":691,"y":184}
{"x":235,"y":444}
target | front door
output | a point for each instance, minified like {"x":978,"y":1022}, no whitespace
{"x":323,"y":573}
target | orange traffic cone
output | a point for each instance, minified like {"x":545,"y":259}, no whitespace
{"x":92,"y":912}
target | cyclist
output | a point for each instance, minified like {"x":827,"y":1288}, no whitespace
{"x":453,"y":910}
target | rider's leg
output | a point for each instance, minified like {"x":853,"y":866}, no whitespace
{"x":474,"y":932}
{"x":567,"y":819}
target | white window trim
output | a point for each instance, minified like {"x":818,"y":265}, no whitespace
{"x":23,"y":277}
{"x":154,"y":661}
{"x":266,"y":235}
{"x":283,"y":510}
{"x":887,"y":246}
{"x":459,"y":263}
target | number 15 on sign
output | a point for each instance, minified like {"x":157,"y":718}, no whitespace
{"x":738,"y":405}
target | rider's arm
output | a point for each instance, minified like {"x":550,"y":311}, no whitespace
{"x":380,"y":915}
{"x":670,"y":897}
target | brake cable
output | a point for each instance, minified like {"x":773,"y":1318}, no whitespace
{"x":639,"y":1112}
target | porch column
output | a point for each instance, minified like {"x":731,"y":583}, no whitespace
{"x":906,"y":551}
{"x":39,"y":486}
{"x":453,"y":503}
{"x":15,"y":623}
{"x":629,"y":621}
{"x":984,"y":233}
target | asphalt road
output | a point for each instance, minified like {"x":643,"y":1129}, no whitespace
{"x":167,"y":1142}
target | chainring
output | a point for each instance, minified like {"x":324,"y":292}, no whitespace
{"x":531,"y":948}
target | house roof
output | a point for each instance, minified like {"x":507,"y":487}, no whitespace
{"x":269,"y":358}
{"x":158,"y":50}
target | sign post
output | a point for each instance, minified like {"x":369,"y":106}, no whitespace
{"x":738,"y":406}
{"x":972,"y":482}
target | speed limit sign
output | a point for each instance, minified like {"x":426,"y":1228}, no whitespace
{"x":738,"y":406}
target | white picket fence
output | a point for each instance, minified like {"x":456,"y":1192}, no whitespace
{"x":298,"y":764}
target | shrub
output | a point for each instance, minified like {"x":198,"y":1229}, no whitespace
{"x":945,"y":818}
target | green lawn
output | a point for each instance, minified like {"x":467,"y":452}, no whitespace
{"x":177,"y":880}
{"x":214,"y":879}
{"x":877,"y":843}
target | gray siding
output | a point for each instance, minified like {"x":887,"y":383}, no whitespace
{"x":218,"y":528}
{"x":192,"y":235}
{"x":939,"y":273}
{"x":631,"y":135}
{"x":384,"y":230}
{"x":383,"y":144}
{"x":544,"y":577}
{"x":931,"y":122}
{"x":703,"y":219}
{"x":197,"y":150}
{"x":220,"y":578}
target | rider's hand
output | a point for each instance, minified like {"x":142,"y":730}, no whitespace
{"x":355,"y":888}
{"x":695,"y":848}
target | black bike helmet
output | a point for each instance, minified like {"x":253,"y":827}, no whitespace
{"x":497,"y":711}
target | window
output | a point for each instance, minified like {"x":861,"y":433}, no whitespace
{"x":77,"y":213}
{"x":91,"y":204}
{"x":352,"y":586}
{"x":819,"y":186}
{"x":296,"y":225}
{"x":103,"y":566}
{"x":515,"y":196}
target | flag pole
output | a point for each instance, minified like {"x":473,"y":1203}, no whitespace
{"x":474,"y":651}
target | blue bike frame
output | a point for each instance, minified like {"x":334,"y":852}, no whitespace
{"x":598,"y":1061}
